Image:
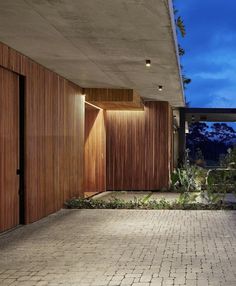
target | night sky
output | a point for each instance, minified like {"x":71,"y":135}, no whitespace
{"x":210,"y":46}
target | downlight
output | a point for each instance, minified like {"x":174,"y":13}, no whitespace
{"x":148,"y":63}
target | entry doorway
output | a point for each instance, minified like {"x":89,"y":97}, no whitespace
{"x":11,"y":149}
{"x":94,"y":151}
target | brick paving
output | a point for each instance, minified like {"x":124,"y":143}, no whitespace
{"x":122,"y":247}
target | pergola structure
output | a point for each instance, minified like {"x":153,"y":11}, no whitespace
{"x":190,"y":115}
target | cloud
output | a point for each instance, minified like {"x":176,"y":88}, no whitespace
{"x":210,"y":59}
{"x":205,"y":91}
{"x":223,"y":98}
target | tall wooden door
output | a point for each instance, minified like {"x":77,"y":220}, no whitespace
{"x":9,"y":149}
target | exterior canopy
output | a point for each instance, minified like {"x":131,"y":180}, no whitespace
{"x":100,"y":44}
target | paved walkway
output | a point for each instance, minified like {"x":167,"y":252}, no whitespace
{"x":122,"y":247}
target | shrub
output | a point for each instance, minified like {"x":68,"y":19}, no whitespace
{"x":183,"y":203}
{"x":189,"y":178}
{"x":229,"y":160}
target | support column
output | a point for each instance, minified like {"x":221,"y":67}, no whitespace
{"x":182,"y":137}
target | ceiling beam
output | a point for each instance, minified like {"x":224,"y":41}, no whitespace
{"x":114,"y":99}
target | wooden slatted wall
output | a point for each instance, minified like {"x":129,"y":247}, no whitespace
{"x":139,"y":148}
{"x":54,"y":136}
{"x":138,"y":143}
{"x":95,"y":151}
{"x":9,"y":149}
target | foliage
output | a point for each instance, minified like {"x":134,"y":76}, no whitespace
{"x":200,"y":177}
{"x":212,"y":197}
{"x":229,"y":161}
{"x":213,"y":140}
{"x":187,"y":179}
{"x":222,"y":132}
{"x":199,"y":158}
{"x":190,"y":181}
{"x":181,"y":26}
{"x":114,"y":203}
{"x":213,"y":184}
{"x":219,"y":183}
{"x":182,"y":203}
{"x":222,"y":179}
{"x":181,"y":50}
{"x":179,"y":23}
{"x":181,"y":30}
{"x":186,"y":80}
{"x":183,"y":179}
{"x":187,"y":198}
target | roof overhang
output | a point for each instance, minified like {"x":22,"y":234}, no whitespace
{"x":100,"y":44}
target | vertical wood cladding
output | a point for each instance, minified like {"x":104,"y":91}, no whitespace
{"x":124,"y":150}
{"x":95,"y":151}
{"x":54,"y":136}
{"x":139,"y":148}
{"x":9,"y":149}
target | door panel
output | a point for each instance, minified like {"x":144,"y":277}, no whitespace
{"x":9,"y":149}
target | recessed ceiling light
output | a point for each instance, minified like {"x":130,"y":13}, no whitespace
{"x":160,"y":87}
{"x":148,"y":63}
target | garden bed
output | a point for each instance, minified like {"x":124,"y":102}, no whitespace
{"x":115,"y":203}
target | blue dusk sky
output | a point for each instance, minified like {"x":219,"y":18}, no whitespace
{"x":210,"y":51}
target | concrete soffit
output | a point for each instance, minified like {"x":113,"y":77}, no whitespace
{"x":100,"y":44}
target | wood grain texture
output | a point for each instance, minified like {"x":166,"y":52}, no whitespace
{"x":9,"y":149}
{"x":130,"y":151}
{"x":54,"y":136}
{"x":95,"y":151}
{"x":139,"y":148}
{"x":114,"y":99}
{"x":108,"y":94}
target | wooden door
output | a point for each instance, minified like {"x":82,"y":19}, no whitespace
{"x":9,"y":149}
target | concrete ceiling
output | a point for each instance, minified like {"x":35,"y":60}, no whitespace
{"x":99,"y":43}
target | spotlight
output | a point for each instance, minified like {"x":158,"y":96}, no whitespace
{"x":148,"y":63}
{"x":160,"y":87}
